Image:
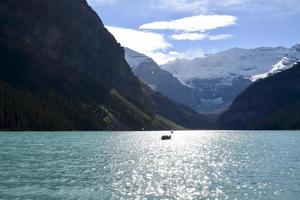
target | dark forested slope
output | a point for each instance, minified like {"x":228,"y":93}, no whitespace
{"x":270,"y":103}
{"x":60,"y":69}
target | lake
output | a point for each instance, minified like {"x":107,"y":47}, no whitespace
{"x":138,"y":165}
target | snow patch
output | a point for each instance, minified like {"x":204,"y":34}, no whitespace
{"x":134,"y":59}
{"x":216,"y":101}
{"x":285,"y":63}
{"x":227,"y":65}
{"x":153,"y":87}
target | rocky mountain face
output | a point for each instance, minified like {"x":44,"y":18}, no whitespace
{"x":269,"y":103}
{"x":220,"y":78}
{"x":160,"y":80}
{"x":62,"y":70}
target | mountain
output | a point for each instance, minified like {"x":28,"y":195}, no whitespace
{"x":178,"y":113}
{"x":62,"y":70}
{"x":269,"y":103}
{"x":220,"y":77}
{"x":160,"y":80}
{"x":291,"y":58}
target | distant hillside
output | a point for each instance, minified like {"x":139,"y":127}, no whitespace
{"x":221,"y":77}
{"x":161,"y":80}
{"x":270,"y":103}
{"x":62,"y":70}
{"x":176,"y":112}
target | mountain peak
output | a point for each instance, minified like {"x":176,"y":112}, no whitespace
{"x":62,"y":70}
{"x":135,"y":59}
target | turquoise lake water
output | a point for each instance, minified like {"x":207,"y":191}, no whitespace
{"x":138,"y":165}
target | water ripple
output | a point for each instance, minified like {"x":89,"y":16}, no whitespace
{"x":193,"y":165}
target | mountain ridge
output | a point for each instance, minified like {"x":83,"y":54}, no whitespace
{"x":222,"y":76}
{"x":269,"y":103}
{"x":61,"y":67}
{"x":160,"y":80}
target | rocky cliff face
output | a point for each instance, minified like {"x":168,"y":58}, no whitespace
{"x":61,"y":67}
{"x":270,"y":103}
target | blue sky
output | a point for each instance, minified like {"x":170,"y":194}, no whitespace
{"x":168,"y":29}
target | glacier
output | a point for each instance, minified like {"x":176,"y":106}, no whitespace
{"x":227,"y":65}
{"x":226,"y":74}
{"x":288,"y":61}
{"x":212,"y":82}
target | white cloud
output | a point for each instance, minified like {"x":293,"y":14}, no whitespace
{"x":199,"y":36}
{"x":197,"y":6}
{"x":192,"y":53}
{"x":271,"y":7}
{"x":156,"y":46}
{"x":220,"y":37}
{"x":164,"y":57}
{"x":189,"y":36}
{"x":195,"y":23}
{"x":214,"y":6}
{"x":187,"y":54}
{"x":101,"y":2}
{"x":148,"y":43}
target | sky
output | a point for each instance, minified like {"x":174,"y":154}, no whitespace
{"x":168,"y":29}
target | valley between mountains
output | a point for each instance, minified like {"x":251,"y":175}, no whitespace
{"x":65,"y":71}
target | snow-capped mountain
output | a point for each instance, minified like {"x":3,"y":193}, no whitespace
{"x":220,"y":77}
{"x":227,"y":65}
{"x":135,"y":59}
{"x":160,"y":80}
{"x":288,"y":61}
{"x":210,"y":84}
